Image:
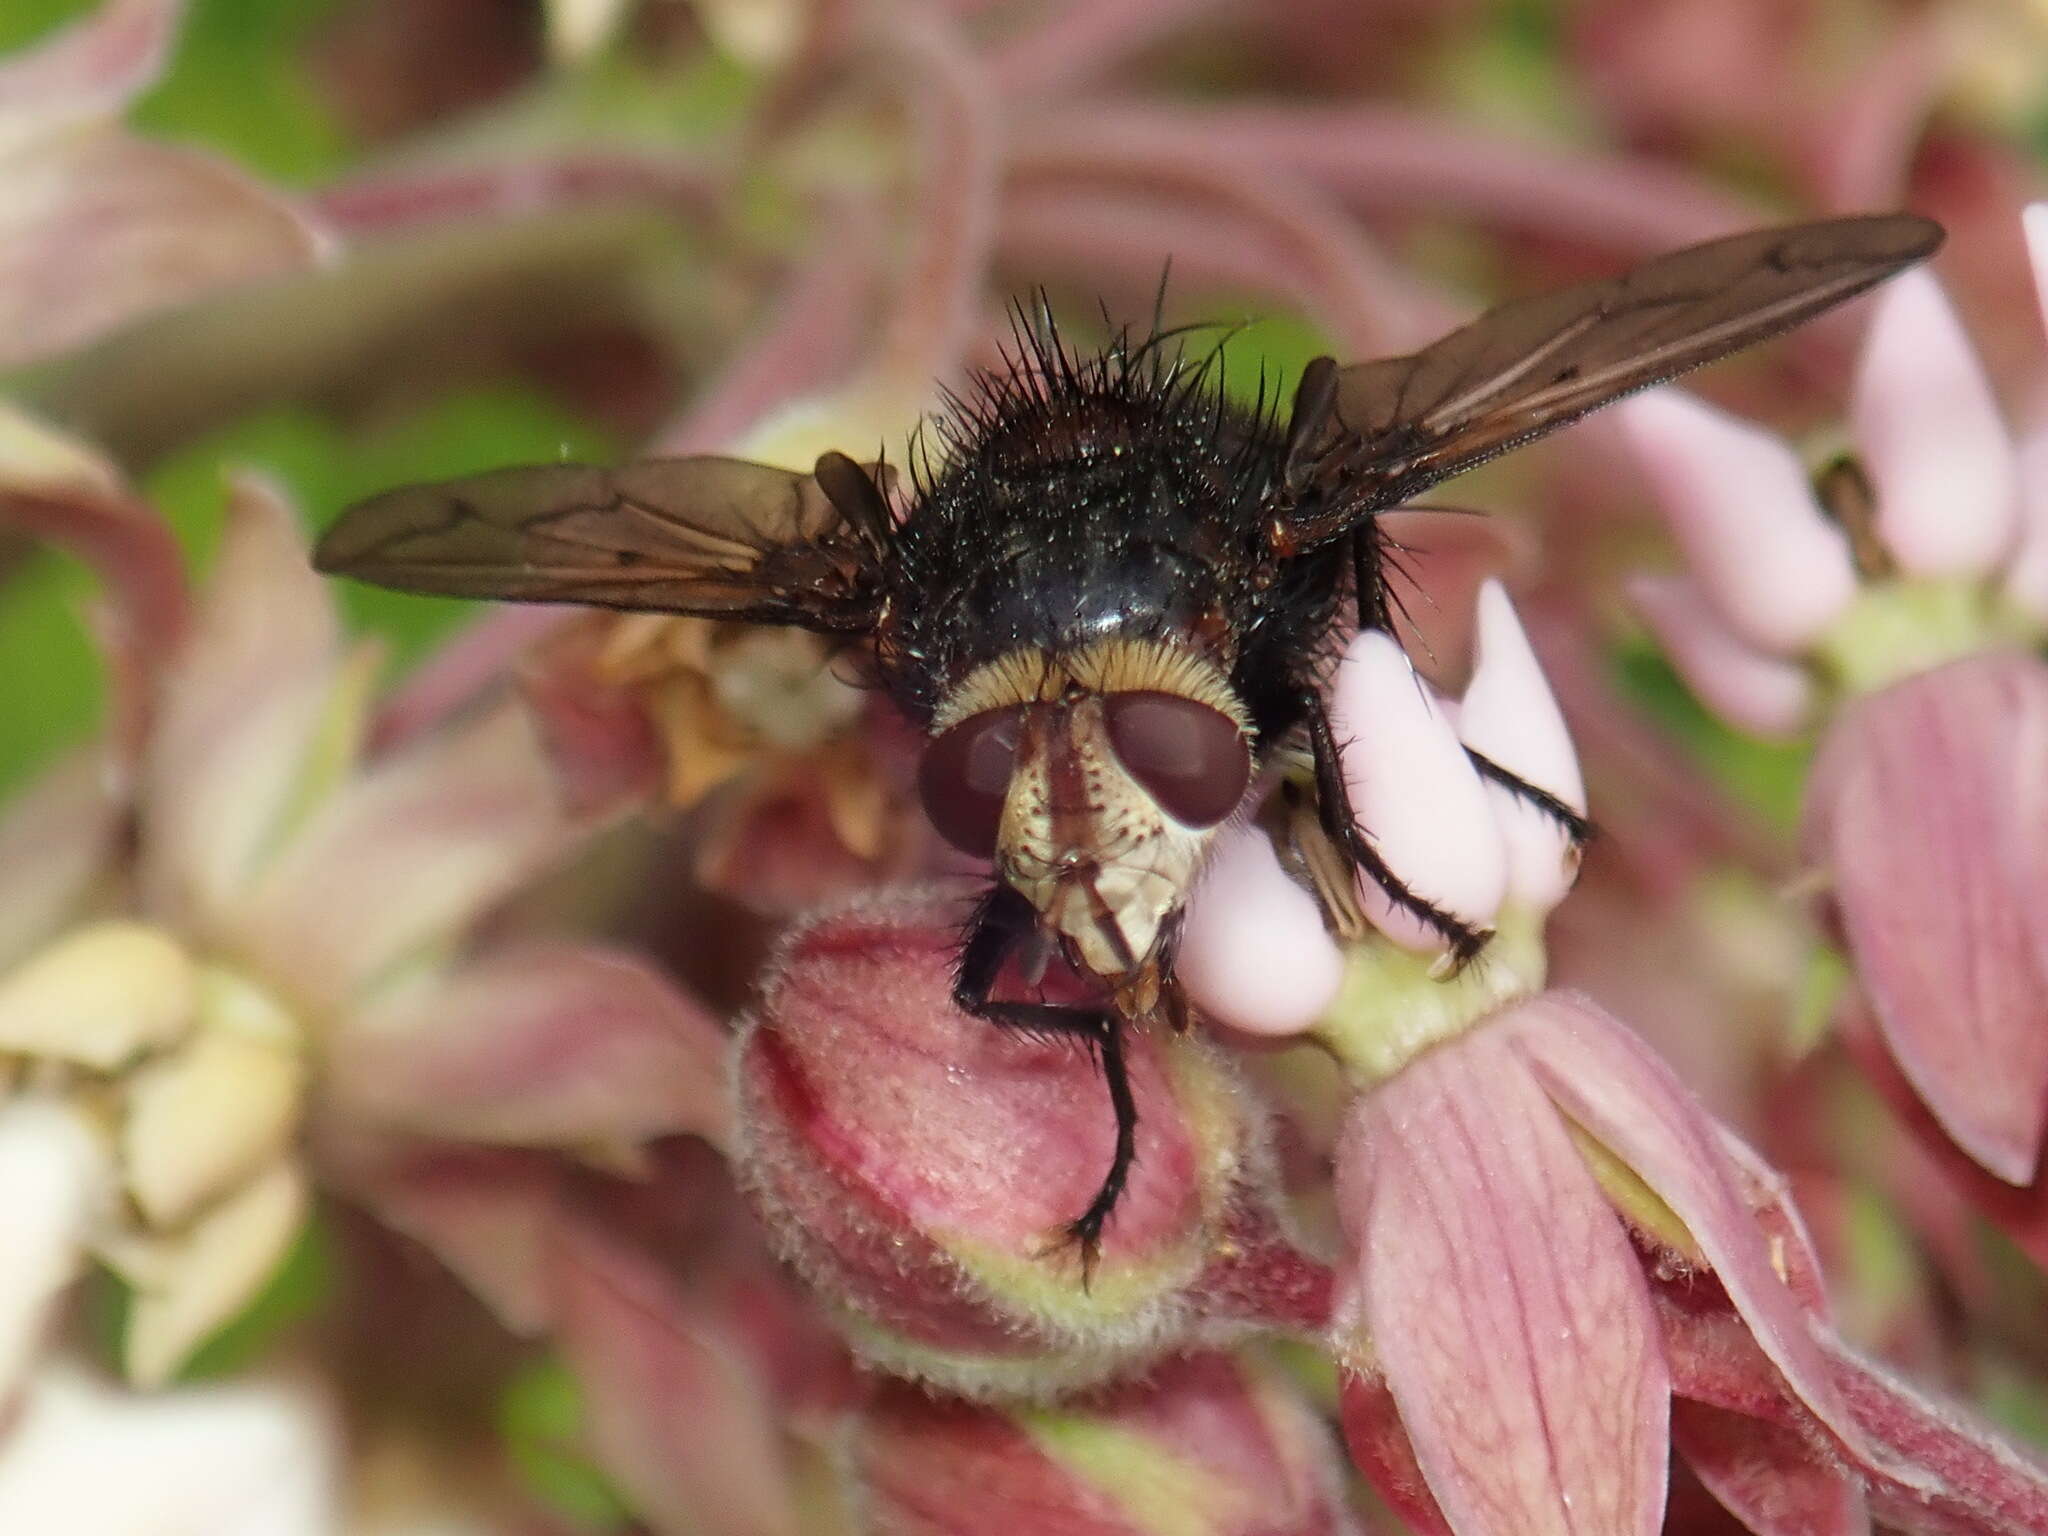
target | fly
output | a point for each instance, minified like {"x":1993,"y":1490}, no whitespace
{"x":1109,"y":604}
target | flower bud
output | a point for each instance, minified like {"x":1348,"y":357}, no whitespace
{"x":1205,"y":1443}
{"x":920,"y":1166}
{"x":1764,"y":695}
{"x":1930,"y":434}
{"x":1769,"y":564}
{"x":1416,"y":793}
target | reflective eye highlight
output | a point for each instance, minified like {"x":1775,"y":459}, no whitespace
{"x":966,"y":773}
{"x":1190,"y":758}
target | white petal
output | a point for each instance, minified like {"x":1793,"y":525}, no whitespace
{"x":54,"y":1172}
{"x":1253,"y":952}
{"x":2026,"y":579}
{"x":1510,"y":716}
{"x":1415,"y":793}
{"x":251,"y":1460}
{"x":99,"y":996}
{"x":2034,"y":222}
{"x":1751,"y":691}
{"x":1930,"y":434}
{"x":1740,"y":504}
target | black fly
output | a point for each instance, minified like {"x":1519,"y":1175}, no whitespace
{"x":1108,"y":605}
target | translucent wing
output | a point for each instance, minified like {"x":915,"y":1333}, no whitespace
{"x":1382,"y":431}
{"x":720,"y":537}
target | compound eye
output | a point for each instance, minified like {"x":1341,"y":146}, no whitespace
{"x":966,"y":773}
{"x":1192,"y":759}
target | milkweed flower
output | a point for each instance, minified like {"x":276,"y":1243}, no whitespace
{"x":1557,"y":1266}
{"x":1896,"y":605}
{"x":271,"y":923}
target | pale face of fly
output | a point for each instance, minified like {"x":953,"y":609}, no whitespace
{"x":1096,"y":783}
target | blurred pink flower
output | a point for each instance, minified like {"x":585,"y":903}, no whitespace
{"x":273,"y":921}
{"x":1202,"y":1442}
{"x":1907,"y":621}
{"x":99,"y":227}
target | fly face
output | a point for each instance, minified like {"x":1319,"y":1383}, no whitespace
{"x":1097,"y":806}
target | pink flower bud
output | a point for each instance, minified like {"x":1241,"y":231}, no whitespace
{"x":1254,"y":953}
{"x":1509,"y":716}
{"x":919,"y":1167}
{"x":1929,"y":431}
{"x":1205,"y":1443}
{"x":1752,"y":691}
{"x":1741,"y":506}
{"x":1415,"y":792}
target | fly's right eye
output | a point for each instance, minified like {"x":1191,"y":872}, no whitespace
{"x":965,"y":776}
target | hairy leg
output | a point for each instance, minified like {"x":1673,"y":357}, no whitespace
{"x":1004,"y":920}
{"x":1334,"y":810}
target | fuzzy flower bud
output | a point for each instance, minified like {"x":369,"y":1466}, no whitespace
{"x":1205,"y":1443}
{"x":919,"y":1167}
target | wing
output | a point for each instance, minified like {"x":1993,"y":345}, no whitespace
{"x":1377,"y":433}
{"x":724,"y":538}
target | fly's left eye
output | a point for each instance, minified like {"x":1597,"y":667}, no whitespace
{"x":965,"y":776}
{"x":1192,"y":759}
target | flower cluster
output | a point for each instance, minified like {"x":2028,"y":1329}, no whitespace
{"x":573,"y":996}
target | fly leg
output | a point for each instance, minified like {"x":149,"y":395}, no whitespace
{"x":1004,"y":920}
{"x":1333,"y":807}
{"x":1575,"y":826}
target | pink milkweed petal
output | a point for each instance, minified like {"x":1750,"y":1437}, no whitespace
{"x":1415,"y":793}
{"x":1768,"y":1476}
{"x":91,"y":69}
{"x":1930,"y":434}
{"x":407,"y":855}
{"x":1622,"y":1095}
{"x":1918,"y":810}
{"x":1385,"y":1456}
{"x":1752,"y":691}
{"x":62,"y":490}
{"x":545,"y":1044}
{"x":2026,"y":578}
{"x":1740,"y":504}
{"x":679,"y":1411}
{"x":100,"y":228}
{"x":241,"y":706}
{"x":1503,"y":1300}
{"x":1254,"y":953}
{"x":1941,"y":1471}
{"x":484,"y":1212}
{"x":56,"y":837}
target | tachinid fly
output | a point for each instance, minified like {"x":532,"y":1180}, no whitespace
{"x":1110,"y":603}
